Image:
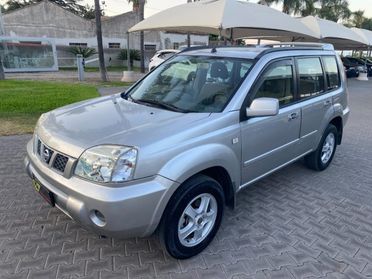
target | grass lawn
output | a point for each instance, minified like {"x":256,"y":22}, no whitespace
{"x":22,"y":102}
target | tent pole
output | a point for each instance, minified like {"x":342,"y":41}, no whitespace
{"x":366,"y":60}
{"x":220,"y":35}
{"x":128,"y":54}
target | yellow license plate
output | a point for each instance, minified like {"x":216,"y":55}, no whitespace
{"x":37,"y":185}
{"x":44,"y":192}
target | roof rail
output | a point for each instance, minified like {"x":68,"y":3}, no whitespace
{"x":300,"y":44}
{"x":196,"y":48}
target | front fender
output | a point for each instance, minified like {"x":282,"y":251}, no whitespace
{"x":197,"y":159}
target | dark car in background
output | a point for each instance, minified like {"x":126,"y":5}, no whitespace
{"x":362,"y":62}
{"x":352,"y":69}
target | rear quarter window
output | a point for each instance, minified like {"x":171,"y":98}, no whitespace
{"x":331,"y":70}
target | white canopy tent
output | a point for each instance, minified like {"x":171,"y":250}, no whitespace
{"x":330,"y":32}
{"x":334,"y":33}
{"x":366,"y":34}
{"x":231,"y":18}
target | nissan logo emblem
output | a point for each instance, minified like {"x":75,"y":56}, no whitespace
{"x":46,"y":155}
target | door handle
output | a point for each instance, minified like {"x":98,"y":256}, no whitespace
{"x":327,"y":103}
{"x":292,"y":116}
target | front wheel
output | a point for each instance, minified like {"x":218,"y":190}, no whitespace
{"x":193,"y":217}
{"x":322,"y":157}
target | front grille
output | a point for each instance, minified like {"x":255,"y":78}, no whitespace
{"x":51,"y":157}
{"x":38,"y":146}
{"x":60,"y":162}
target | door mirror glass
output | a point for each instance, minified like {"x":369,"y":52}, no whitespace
{"x":263,"y":107}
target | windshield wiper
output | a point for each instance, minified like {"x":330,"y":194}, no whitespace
{"x":161,"y":105}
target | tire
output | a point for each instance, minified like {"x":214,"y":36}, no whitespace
{"x":322,"y":157}
{"x":203,"y":226}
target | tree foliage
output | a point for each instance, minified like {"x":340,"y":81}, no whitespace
{"x":357,"y":19}
{"x":84,"y":51}
{"x":334,"y":10}
{"x":289,"y":6}
{"x":73,"y":6}
{"x":134,"y":55}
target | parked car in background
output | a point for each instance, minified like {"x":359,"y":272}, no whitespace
{"x":169,"y":154}
{"x":362,"y":62}
{"x":352,"y":69}
{"x":160,"y":56}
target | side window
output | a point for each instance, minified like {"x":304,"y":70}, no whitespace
{"x":277,"y":82}
{"x":311,"y":78}
{"x":244,"y":68}
{"x":331,"y":69}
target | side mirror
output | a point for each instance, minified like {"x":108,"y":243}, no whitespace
{"x":263,"y":107}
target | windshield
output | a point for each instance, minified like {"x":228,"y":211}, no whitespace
{"x":192,"y":83}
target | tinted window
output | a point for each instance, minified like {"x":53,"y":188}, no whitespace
{"x":192,"y":83}
{"x":244,"y":68}
{"x":330,"y":67}
{"x":311,"y":79}
{"x":277,"y":83}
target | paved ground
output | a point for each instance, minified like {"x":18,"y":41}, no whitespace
{"x":295,"y":224}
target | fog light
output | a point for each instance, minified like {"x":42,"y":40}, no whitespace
{"x":97,"y":218}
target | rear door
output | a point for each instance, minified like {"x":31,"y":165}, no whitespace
{"x":314,"y":100}
{"x":269,"y":142}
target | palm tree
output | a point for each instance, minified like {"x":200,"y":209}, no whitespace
{"x":188,"y":33}
{"x":367,"y":24}
{"x":101,"y":57}
{"x":334,"y":10}
{"x":358,"y":18}
{"x":308,"y":8}
{"x":289,"y":6}
{"x":139,"y":6}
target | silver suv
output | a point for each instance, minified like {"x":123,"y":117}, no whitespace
{"x":167,"y":155}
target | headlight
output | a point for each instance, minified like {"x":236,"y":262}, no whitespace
{"x":107,"y":163}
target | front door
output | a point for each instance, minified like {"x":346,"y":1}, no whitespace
{"x":269,"y":142}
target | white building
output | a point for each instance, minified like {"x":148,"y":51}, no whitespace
{"x":48,"y":20}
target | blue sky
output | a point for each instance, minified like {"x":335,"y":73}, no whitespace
{"x":113,"y":7}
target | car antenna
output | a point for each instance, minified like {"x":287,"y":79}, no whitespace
{"x":214,"y":50}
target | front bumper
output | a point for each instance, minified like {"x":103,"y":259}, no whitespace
{"x":132,"y":209}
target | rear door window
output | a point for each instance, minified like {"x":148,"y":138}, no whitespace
{"x":331,"y":70}
{"x":311,"y":77}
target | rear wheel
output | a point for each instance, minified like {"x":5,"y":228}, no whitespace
{"x":193,"y":216}
{"x":322,"y":157}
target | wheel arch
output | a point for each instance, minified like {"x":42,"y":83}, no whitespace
{"x":337,"y":122}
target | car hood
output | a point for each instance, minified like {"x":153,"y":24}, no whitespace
{"x":110,"y":120}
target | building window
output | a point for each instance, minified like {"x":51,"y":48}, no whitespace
{"x":176,"y":45}
{"x":78,"y":44}
{"x":114,"y":45}
{"x":150,"y":47}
